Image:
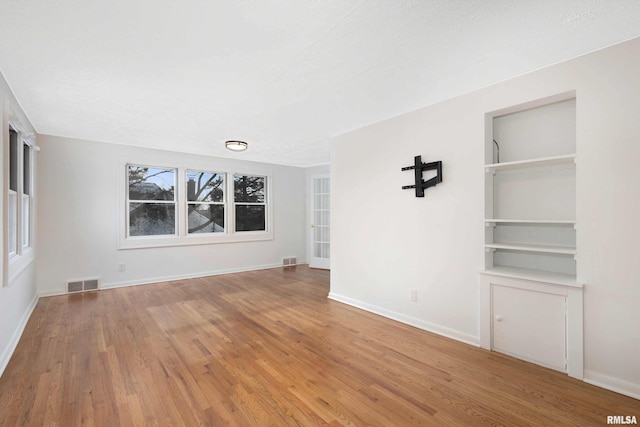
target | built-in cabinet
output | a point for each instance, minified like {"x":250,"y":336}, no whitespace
{"x":531,"y":298}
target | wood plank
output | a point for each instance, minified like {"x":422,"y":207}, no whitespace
{"x":268,"y":348}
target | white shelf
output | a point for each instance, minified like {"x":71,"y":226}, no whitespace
{"x":543,"y":161}
{"x":535,"y":275}
{"x":531,"y":221}
{"x":562,"y":250}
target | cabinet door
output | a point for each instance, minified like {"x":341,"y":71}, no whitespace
{"x":530,"y":325}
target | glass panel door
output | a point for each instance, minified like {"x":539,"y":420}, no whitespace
{"x":320,"y":222}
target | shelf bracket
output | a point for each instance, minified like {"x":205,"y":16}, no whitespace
{"x":419,"y":167}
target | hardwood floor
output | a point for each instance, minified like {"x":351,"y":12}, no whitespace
{"x":268,"y":348}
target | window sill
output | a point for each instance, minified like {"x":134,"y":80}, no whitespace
{"x":164,"y":241}
{"x":19,"y":263}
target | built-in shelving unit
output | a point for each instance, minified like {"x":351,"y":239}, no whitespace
{"x":531,"y":299}
{"x":530,"y":189}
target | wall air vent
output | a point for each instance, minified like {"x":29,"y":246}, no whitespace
{"x":74,"y":286}
{"x":289,"y":261}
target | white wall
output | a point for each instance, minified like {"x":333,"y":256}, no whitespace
{"x":79,"y":209}
{"x":386,"y":241}
{"x":18,"y":299}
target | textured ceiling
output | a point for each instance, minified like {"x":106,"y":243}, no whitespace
{"x":284,"y":75}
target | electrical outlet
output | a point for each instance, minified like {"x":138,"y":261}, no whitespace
{"x":413,"y":295}
{"x":122,"y":267}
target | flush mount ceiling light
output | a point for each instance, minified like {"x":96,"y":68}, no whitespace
{"x":236,"y":145}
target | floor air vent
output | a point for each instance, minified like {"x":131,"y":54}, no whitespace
{"x":83,"y":285}
{"x":289,"y":261}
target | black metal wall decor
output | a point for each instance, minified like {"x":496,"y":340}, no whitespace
{"x":419,"y":167}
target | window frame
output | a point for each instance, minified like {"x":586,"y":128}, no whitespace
{"x":224,"y":202}
{"x":182,"y":237}
{"x":27,"y":169}
{"x":15,"y":261}
{"x":265,"y":203}
{"x":14,"y":188}
{"x":167,"y":202}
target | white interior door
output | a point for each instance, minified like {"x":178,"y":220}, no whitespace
{"x":320,"y":222}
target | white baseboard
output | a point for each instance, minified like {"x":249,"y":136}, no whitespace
{"x":159,"y":279}
{"x":409,"y":320}
{"x":15,"y":338}
{"x":614,"y":384}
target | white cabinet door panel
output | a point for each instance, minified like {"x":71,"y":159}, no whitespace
{"x":530,"y":325}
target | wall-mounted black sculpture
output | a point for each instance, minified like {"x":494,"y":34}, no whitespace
{"x":418,"y":168}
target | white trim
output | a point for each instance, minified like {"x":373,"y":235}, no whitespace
{"x":17,"y":334}
{"x":611,"y":383}
{"x":408,"y":320}
{"x":161,"y":279}
{"x":193,"y":239}
{"x":529,"y":105}
{"x":314,"y":165}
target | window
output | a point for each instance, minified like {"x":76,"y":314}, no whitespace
{"x":151,"y":200}
{"x":192,"y":205}
{"x":13,"y":192}
{"x":20,"y":190}
{"x":26,"y":195}
{"x":18,"y":196}
{"x":250,"y":202}
{"x":205,"y":202}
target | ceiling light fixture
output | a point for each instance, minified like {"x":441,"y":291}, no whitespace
{"x":236,"y":145}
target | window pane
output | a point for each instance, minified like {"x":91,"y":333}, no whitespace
{"x":150,"y":219}
{"x":26,"y":169}
{"x":326,"y":185}
{"x":250,"y":217}
{"x":13,"y":160}
{"x":151,"y":183}
{"x":248,"y":189}
{"x":205,"y":186}
{"x":25,"y":220}
{"x":321,"y":250}
{"x":206,"y":218}
{"x":13,"y":222}
{"x":321,"y":201}
{"x":321,"y":233}
{"x":321,"y":217}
